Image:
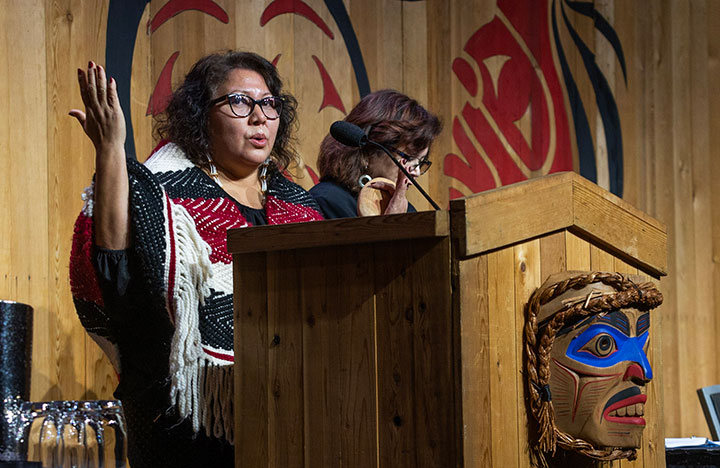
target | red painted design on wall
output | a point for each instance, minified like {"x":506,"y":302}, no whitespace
{"x":466,"y":75}
{"x":331,"y":97}
{"x":298,"y":7}
{"x":175,"y":7}
{"x":160,"y":97}
{"x":519,"y":127}
{"x":482,"y":178}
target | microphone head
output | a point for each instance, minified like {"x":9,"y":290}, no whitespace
{"x":348,"y":134}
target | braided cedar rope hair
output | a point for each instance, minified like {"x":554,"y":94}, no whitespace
{"x":539,"y":346}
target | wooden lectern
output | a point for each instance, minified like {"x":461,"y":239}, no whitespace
{"x":396,"y":341}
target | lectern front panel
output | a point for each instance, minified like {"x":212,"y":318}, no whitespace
{"x":345,"y":356}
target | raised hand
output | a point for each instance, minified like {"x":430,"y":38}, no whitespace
{"x":104,"y":123}
{"x":103,"y":120}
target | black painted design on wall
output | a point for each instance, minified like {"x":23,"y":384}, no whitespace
{"x":122,"y":25}
{"x":604,"y":99}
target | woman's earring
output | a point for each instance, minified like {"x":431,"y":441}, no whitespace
{"x":213,"y":172}
{"x":365,"y":178}
{"x":263,"y":178}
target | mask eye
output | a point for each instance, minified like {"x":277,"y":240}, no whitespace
{"x":602,"y":345}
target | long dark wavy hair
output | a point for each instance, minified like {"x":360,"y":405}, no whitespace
{"x":185,"y":121}
{"x":392,"y":119}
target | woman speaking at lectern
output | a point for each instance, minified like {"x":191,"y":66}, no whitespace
{"x":150,"y":273}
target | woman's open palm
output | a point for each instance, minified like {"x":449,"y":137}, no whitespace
{"x":103,"y":120}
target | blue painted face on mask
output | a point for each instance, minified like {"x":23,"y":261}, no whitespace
{"x":603,"y":345}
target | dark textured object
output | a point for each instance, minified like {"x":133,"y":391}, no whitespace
{"x":16,"y":323}
{"x":705,"y":456}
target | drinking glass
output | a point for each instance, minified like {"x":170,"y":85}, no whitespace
{"x":73,"y":434}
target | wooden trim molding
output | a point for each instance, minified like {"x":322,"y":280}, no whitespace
{"x":563,"y":201}
{"x":344,"y":231}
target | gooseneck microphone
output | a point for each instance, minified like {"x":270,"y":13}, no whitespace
{"x":351,"y":135}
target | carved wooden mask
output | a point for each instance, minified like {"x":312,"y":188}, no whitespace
{"x":598,"y":331}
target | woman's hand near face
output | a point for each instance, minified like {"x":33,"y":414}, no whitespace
{"x":398,"y":194}
{"x":104,"y":123}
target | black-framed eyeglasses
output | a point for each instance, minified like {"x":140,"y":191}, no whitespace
{"x":242,"y":105}
{"x":420,"y":164}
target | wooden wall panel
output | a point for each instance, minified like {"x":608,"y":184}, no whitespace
{"x":251,"y":433}
{"x":669,"y":113}
{"x":527,"y":269}
{"x":44,"y":159}
{"x":75,"y":33}
{"x":712,"y":251}
{"x":475,"y":360}
{"x":682,"y":161}
{"x":553,"y":255}
{"x":24,"y":177}
{"x":285,"y":364}
{"x":634,"y":99}
{"x":607,"y":64}
{"x":415,"y":77}
{"x":313,"y":49}
{"x":600,"y":260}
{"x":358,"y":377}
{"x":669,"y":107}
{"x":661,"y":120}
{"x":577,"y":253}
{"x":504,"y":344}
{"x":701,"y":263}
{"x":414,"y":353}
{"x":319,"y":330}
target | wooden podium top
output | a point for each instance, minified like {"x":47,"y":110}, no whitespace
{"x":339,"y":232}
{"x":522,"y":211}
{"x":488,"y":221}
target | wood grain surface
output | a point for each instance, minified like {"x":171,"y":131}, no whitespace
{"x":669,"y":115}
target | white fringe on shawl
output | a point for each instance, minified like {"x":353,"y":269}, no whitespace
{"x":201,"y":390}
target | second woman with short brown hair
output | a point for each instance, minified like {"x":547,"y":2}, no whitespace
{"x":392,"y":119}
